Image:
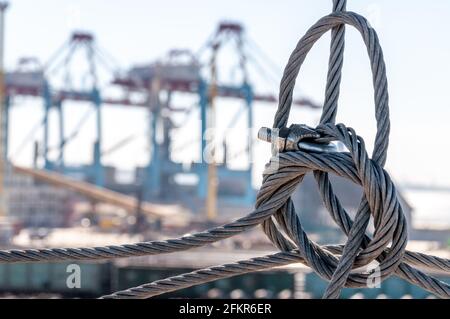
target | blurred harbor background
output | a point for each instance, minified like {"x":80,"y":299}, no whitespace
{"x":107,"y":109}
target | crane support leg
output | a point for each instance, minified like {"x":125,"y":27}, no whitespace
{"x":5,"y":127}
{"x":98,"y":168}
{"x":61,"y":137}
{"x":47,"y":106}
{"x":153,"y":177}
{"x":203,"y":173}
{"x":250,"y":194}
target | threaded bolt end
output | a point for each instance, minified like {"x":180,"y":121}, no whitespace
{"x":265,"y":134}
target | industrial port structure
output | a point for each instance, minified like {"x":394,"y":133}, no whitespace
{"x":152,"y":87}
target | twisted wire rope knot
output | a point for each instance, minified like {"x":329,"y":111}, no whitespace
{"x":275,"y":211}
{"x":382,"y":201}
{"x":379,"y":192}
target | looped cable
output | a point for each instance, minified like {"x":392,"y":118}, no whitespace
{"x":336,"y":22}
{"x":378,"y":74}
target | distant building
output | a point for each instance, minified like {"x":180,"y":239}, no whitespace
{"x":35,"y":204}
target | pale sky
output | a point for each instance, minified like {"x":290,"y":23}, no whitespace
{"x":413,"y":34}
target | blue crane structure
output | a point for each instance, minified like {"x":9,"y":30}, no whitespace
{"x":32,"y":79}
{"x":156,"y":83}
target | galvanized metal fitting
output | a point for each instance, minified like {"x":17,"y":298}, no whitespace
{"x":295,"y":138}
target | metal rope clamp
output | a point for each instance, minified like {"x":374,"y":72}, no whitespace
{"x":298,"y":137}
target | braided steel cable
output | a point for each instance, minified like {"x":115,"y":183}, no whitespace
{"x":301,"y":160}
{"x":332,"y":90}
{"x":335,"y":63}
{"x":206,"y":275}
{"x":380,"y":198}
{"x":275,"y":211}
{"x":268,"y":262}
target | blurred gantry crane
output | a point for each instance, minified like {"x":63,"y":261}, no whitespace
{"x":179,"y":72}
{"x":176,"y":75}
{"x":32,"y":79}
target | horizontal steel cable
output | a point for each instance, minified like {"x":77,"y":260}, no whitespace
{"x":405,"y":271}
{"x":202,"y":276}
